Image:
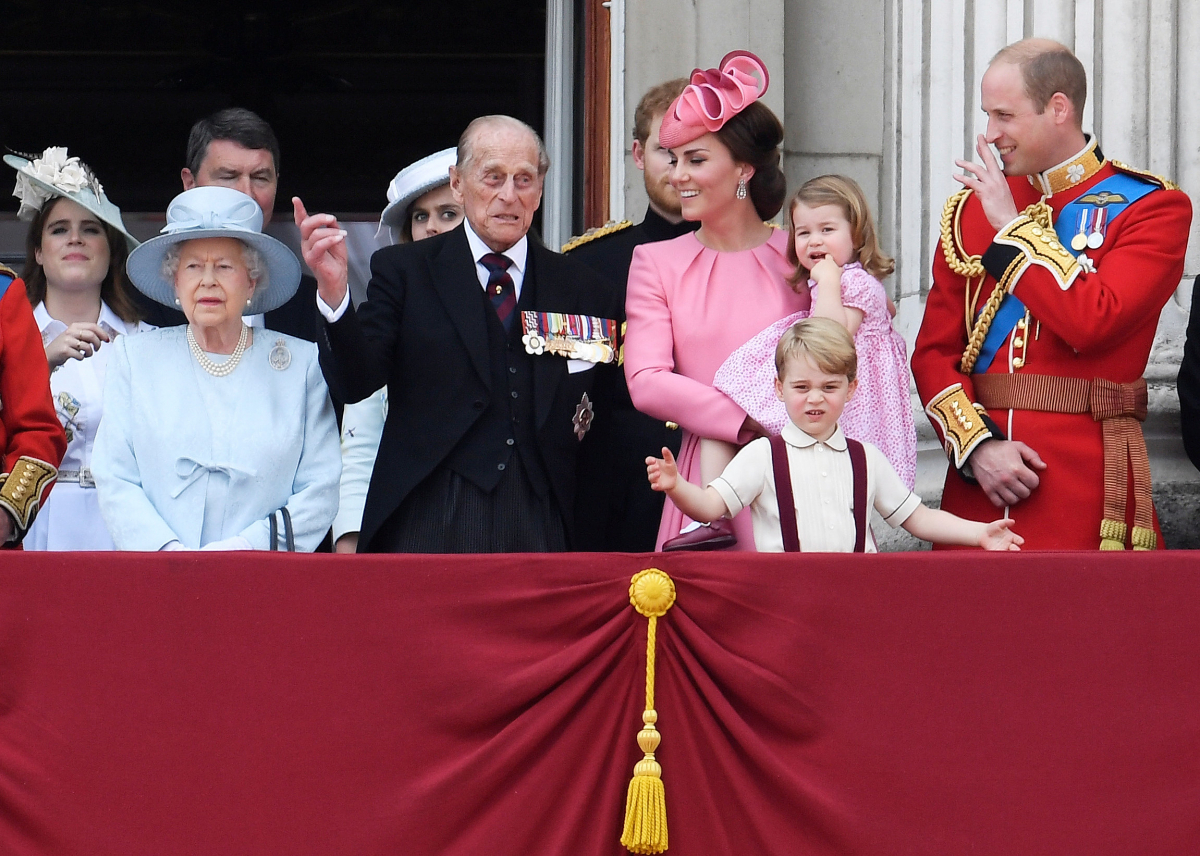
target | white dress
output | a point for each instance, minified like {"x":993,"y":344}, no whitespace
{"x":70,"y":519}
{"x":362,"y":426}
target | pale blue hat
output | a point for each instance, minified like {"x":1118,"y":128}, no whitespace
{"x":216,"y":212}
{"x":54,"y":174}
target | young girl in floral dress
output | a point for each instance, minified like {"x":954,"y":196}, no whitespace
{"x":834,"y":247}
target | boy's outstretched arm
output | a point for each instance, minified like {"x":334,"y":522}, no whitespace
{"x":942,"y":527}
{"x":699,"y":503}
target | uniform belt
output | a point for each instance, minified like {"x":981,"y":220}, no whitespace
{"x":1118,"y":407}
{"x":81,"y":477}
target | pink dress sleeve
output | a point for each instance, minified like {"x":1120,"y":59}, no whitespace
{"x":865,"y":293}
{"x":748,"y":376}
{"x":654,"y":386}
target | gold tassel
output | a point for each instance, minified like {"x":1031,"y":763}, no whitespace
{"x":652,"y":593}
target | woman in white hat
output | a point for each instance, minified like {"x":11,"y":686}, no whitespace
{"x":217,"y":436}
{"x":75,"y":277}
{"x":420,"y":205}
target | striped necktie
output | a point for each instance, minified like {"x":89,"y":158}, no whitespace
{"x":500,"y":288}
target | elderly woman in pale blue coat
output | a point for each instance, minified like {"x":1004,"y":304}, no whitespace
{"x":216,"y":435}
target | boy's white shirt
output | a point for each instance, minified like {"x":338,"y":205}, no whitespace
{"x":822,"y":487}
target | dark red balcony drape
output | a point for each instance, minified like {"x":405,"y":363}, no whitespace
{"x":907,"y":704}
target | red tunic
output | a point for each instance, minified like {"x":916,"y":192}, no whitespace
{"x":1101,"y":325}
{"x":30,"y":434}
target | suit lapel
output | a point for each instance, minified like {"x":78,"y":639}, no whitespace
{"x":548,"y":370}
{"x":457,"y":285}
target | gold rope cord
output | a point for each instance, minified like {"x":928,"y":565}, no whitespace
{"x":652,"y":593}
{"x":972,"y":266}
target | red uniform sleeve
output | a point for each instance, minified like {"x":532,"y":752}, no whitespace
{"x":34,"y":442}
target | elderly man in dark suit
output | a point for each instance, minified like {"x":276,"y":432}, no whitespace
{"x":479,"y":449}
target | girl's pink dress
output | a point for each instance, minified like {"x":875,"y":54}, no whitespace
{"x":688,"y":308}
{"x":880,"y":412}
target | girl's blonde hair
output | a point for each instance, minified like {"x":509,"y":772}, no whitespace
{"x":846,"y":194}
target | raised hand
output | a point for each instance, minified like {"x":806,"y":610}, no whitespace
{"x":77,"y":342}
{"x":998,"y":536}
{"x":662,"y":472}
{"x":988,"y":182}
{"x":826,"y":271}
{"x":323,"y":245}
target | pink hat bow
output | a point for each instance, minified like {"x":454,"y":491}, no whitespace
{"x":713,"y":97}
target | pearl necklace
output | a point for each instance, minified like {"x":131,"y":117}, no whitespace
{"x":218,"y":369}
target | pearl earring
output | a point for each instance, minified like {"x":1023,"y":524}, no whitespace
{"x":741,"y":190}
{"x":248,"y":299}
{"x":176,"y":301}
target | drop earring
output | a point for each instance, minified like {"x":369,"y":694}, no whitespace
{"x":741,"y":190}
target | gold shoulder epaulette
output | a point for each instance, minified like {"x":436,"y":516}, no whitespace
{"x":772,"y":225}
{"x":596,"y":232}
{"x":5,"y":270}
{"x":1164,"y":183}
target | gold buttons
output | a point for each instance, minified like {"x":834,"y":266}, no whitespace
{"x":1018,"y":342}
{"x":1018,"y":363}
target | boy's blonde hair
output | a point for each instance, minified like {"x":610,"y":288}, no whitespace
{"x":846,"y":194}
{"x":823,"y":339}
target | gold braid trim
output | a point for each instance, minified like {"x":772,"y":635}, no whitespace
{"x":22,"y":490}
{"x":1164,"y":183}
{"x":1041,"y":214}
{"x":5,"y":270}
{"x":594,"y":233}
{"x":962,"y":264}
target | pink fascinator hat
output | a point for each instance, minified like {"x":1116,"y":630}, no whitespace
{"x":713,"y":97}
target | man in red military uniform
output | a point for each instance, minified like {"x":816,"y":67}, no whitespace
{"x":31,"y":437}
{"x":1047,"y":288}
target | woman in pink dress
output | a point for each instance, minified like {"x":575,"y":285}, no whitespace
{"x":695,"y":299}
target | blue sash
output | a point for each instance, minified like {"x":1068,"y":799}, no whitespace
{"x":1114,"y":195}
{"x":5,"y":282}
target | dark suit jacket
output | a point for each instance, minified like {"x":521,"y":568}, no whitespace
{"x":620,"y":511}
{"x":422,"y":331}
{"x":1189,"y":381}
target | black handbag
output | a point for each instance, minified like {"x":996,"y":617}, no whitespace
{"x":289,"y":540}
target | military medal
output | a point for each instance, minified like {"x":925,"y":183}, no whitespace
{"x":1096,"y":238}
{"x":583,"y":416}
{"x":280,"y":357}
{"x":576,"y":337}
{"x":1080,"y":241}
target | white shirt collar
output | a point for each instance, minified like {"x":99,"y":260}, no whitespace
{"x":51,"y":328}
{"x":793,"y":436}
{"x":518,"y":253}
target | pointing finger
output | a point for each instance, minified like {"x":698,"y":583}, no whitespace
{"x":299,"y":211}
